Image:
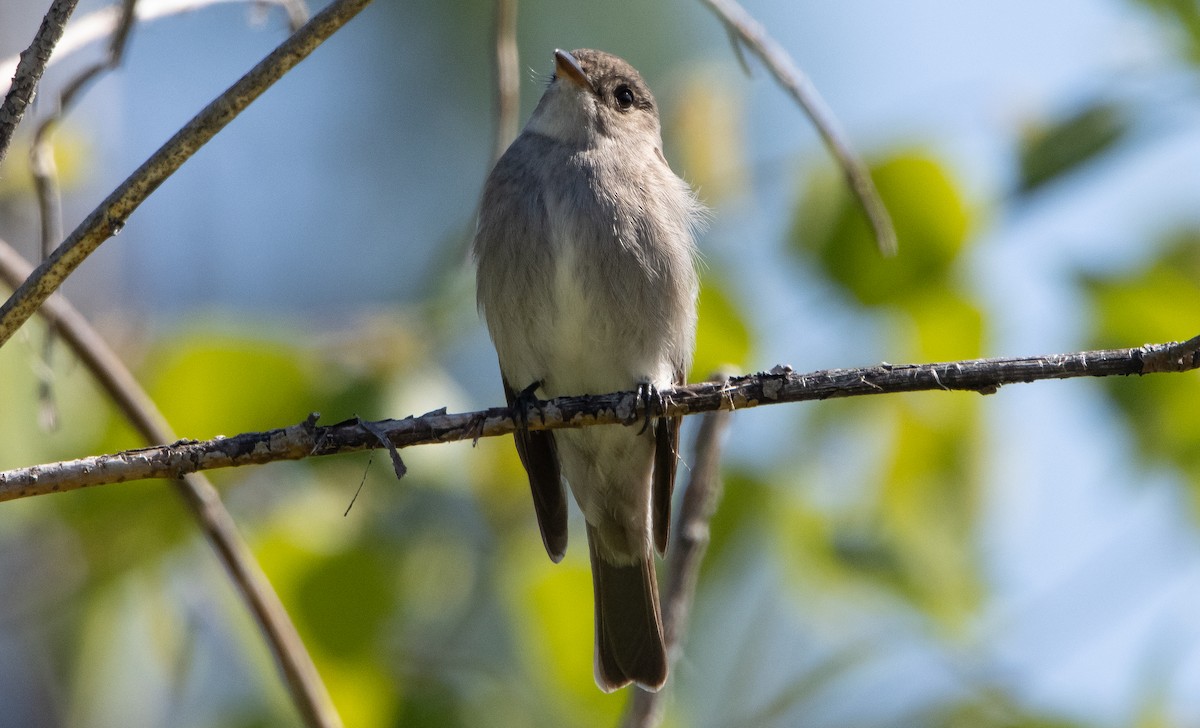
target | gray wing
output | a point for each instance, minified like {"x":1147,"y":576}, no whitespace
{"x":509,"y":244}
{"x":666,"y":456}
{"x":540,"y":458}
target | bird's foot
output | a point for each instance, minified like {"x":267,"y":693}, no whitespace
{"x":526,"y":401}
{"x":652,"y":403}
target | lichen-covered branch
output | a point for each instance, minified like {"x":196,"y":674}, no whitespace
{"x":781,"y":384}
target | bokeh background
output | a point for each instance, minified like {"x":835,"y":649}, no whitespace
{"x":1030,"y":558}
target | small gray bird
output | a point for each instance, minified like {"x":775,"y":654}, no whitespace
{"x":586,"y":277}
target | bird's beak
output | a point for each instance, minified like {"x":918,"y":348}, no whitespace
{"x":567,"y":67}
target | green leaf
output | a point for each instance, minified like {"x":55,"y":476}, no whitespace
{"x":1052,"y":150}
{"x":344,"y":600}
{"x":931,"y":219}
{"x":746,"y":503}
{"x":1158,"y":304}
{"x":1182,"y":17}
{"x":938,"y":324}
{"x":903,"y":520}
{"x":722,"y":337}
{"x":550,"y":607}
{"x":224,"y":385}
{"x":928,"y":503}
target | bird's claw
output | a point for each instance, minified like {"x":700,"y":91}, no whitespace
{"x":523,"y":402}
{"x":652,"y":403}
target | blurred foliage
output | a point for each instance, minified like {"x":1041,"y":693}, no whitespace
{"x":1183,"y":18}
{"x":1157,"y":304}
{"x":72,"y":156}
{"x":705,"y":128}
{"x":992,"y":707}
{"x":1050,"y":150}
{"x":911,"y":527}
{"x":931,"y":218}
{"x":723,"y":339}
{"x":204,"y":384}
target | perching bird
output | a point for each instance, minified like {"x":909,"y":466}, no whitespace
{"x":586,"y":278}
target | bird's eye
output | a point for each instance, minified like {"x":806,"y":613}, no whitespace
{"x":624,"y":97}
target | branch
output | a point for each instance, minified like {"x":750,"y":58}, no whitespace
{"x":203,"y":502}
{"x":30,"y":68}
{"x":754,"y":35}
{"x":119,"y":22}
{"x":780,"y":385}
{"x":108,"y":219}
{"x":508,"y":77}
{"x":45,"y":183}
{"x":689,"y":542}
{"x":106,"y":23}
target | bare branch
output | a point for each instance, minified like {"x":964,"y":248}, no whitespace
{"x":689,"y":542}
{"x":779,"y":385}
{"x":796,"y":83}
{"x":30,"y":68}
{"x":41,"y":153}
{"x":309,"y":695}
{"x":108,"y":219}
{"x":508,"y":76}
{"x":106,"y":23}
{"x":49,"y":196}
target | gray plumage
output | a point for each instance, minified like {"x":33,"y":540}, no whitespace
{"x":587,"y":281}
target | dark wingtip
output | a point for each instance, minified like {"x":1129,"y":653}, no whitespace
{"x":556,"y":548}
{"x":666,"y":456}
{"x":539,"y":455}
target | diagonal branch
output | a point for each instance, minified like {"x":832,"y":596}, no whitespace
{"x":309,"y":695}
{"x":780,"y":385}
{"x":107,"y":22}
{"x":30,"y":68}
{"x":119,"y":21}
{"x":108,"y":219}
{"x":754,"y":35}
{"x":45,"y":182}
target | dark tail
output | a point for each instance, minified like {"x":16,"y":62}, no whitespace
{"x":629,"y":633}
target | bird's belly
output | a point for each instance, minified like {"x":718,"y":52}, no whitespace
{"x":574,"y":318}
{"x":595,"y":344}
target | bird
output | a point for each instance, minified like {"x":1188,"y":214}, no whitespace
{"x":586,"y":276}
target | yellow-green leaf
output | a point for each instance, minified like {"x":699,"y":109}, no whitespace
{"x":931,"y":219}
{"x":722,"y":337}
{"x":1049,"y":151}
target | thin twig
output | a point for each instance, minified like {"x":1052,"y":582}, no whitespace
{"x":309,"y":695}
{"x":300,"y":675}
{"x":688,"y":544}
{"x":508,"y":76}
{"x":780,"y":385}
{"x":108,"y":219}
{"x":46,"y":187}
{"x":103,"y":23}
{"x":801,"y":89}
{"x":120,"y":37}
{"x":30,"y":68}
